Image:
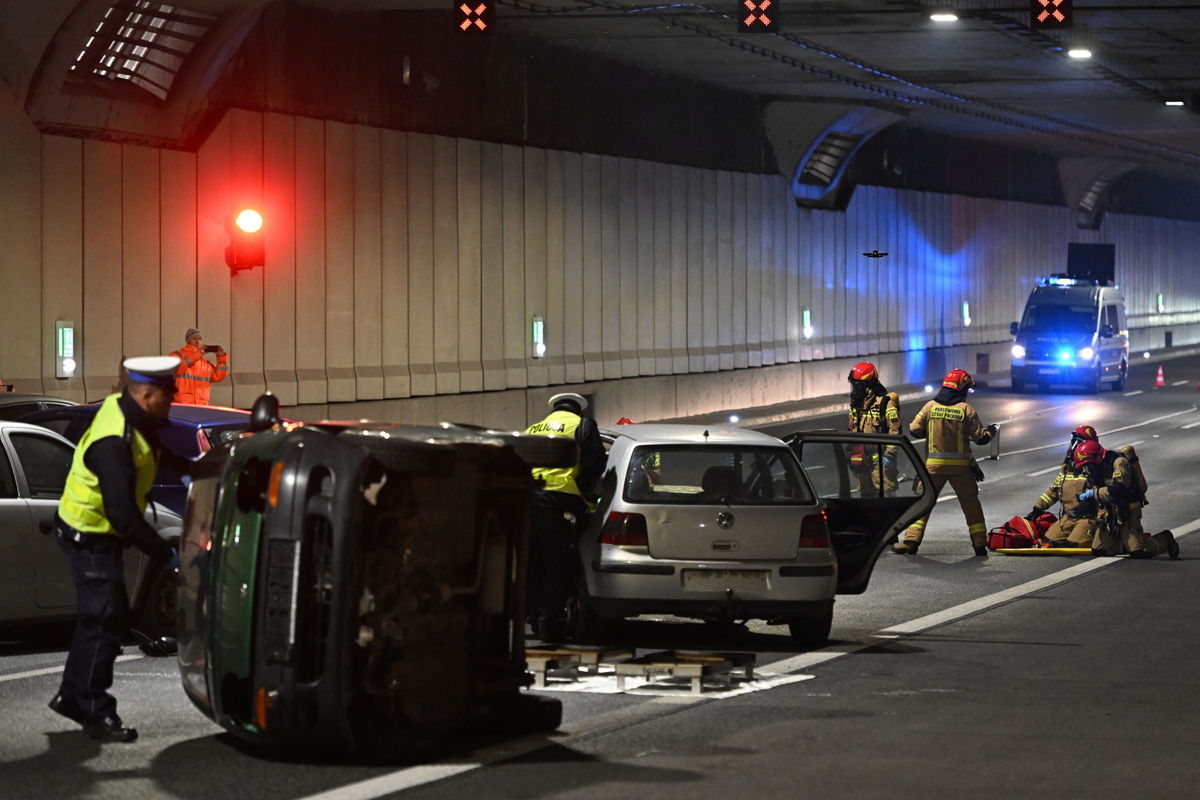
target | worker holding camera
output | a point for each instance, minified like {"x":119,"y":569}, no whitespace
{"x":196,"y":374}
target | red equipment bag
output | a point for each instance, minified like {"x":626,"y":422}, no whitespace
{"x":1020,"y":532}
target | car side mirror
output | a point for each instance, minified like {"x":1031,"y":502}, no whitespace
{"x":265,"y":413}
{"x":1106,"y":331}
{"x":1013,"y":328}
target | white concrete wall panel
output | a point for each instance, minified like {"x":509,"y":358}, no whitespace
{"x":556,"y":320}
{"x":445,"y":266}
{"x":312,"y":386}
{"x":368,"y":264}
{"x":61,"y":258}
{"x":491,"y":224}
{"x":405,"y":264}
{"x":102,"y":284}
{"x":470,"y":331}
{"x":246,"y":301}
{"x":535,"y":271}
{"x":279,"y":241}
{"x":420,"y":264}
{"x":339,"y":261}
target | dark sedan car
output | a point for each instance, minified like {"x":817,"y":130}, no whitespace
{"x":16,"y":405}
{"x":192,"y":432}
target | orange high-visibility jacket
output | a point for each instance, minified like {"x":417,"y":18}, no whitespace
{"x":196,"y":374}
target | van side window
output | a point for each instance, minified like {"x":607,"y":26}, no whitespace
{"x":1110,"y":317}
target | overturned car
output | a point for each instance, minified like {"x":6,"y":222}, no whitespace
{"x":351,"y":588}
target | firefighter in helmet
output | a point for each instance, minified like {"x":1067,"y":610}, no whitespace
{"x":1075,"y":527}
{"x":873,"y":409}
{"x":1114,"y":494}
{"x":949,"y":424}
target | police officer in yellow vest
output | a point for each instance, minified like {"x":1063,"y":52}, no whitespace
{"x":100,"y":514}
{"x":559,"y":511}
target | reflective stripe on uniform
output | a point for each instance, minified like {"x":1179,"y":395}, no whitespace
{"x":189,"y":377}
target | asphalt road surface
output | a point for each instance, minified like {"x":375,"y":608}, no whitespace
{"x":952,"y":676}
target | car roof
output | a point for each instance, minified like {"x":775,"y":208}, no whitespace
{"x":208,"y":415}
{"x":673,"y":433}
{"x":12,"y":425}
{"x":12,"y":398}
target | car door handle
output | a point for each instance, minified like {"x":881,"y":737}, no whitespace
{"x":45,"y":527}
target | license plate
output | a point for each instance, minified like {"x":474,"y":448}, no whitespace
{"x":718,"y":580}
{"x":1047,"y":371}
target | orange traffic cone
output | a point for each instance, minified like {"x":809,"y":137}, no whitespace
{"x":1159,"y":381}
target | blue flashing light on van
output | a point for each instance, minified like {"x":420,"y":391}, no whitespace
{"x":1073,"y":331}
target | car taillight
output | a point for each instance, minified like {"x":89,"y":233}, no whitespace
{"x":202,"y":442}
{"x":813,"y":531}
{"x":627,"y":530}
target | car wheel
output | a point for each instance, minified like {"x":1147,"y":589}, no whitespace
{"x":811,"y":630}
{"x":583,"y":624}
{"x":159,"y":611}
{"x":1119,"y":383}
{"x":527,"y":714}
{"x":1096,"y":385}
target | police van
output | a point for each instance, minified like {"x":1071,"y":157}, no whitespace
{"x":1073,"y":331}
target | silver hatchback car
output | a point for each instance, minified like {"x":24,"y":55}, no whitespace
{"x":726,"y":523}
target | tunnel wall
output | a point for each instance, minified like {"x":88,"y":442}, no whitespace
{"x":404,"y":269}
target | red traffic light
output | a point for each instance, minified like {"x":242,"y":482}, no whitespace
{"x":248,"y":220}
{"x":245,"y":248}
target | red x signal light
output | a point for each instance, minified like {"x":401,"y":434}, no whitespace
{"x":1051,"y":13}
{"x":758,"y":16}
{"x":474,"y":17}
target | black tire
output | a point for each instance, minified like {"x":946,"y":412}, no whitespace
{"x":1122,"y":373}
{"x":158,"y":613}
{"x":1096,"y":385}
{"x":811,"y":630}
{"x":583,"y":624}
{"x":528,"y":713}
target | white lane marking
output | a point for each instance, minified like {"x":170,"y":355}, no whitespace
{"x":1045,"y":471}
{"x":1135,"y":393}
{"x":606,"y":683}
{"x":33,"y":673}
{"x":1191,"y":425}
{"x":978,"y":605}
{"x":1178,"y":383}
{"x":1032,"y":414}
{"x":1103,"y":433}
{"x":411,"y":777}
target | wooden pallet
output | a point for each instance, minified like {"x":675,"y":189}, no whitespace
{"x":570,"y":662}
{"x":696,"y":667}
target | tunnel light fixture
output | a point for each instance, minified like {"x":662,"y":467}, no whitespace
{"x":1173,"y":103}
{"x":1079,"y":53}
{"x":929,"y":388}
{"x":806,"y":323}
{"x":64,"y":350}
{"x":1146,"y":354}
{"x":537,"y":336}
{"x":943,"y":16}
{"x":966,"y":314}
{"x":1158,"y":303}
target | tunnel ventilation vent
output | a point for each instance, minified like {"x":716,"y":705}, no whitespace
{"x":827,"y":157}
{"x":142,"y":42}
{"x":1090,"y":211}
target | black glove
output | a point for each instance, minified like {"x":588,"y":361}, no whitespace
{"x":1034,"y":514}
{"x":977,"y":472}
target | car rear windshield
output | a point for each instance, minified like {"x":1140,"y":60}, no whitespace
{"x":715,"y":474}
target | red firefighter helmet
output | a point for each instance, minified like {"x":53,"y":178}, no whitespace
{"x":1088,"y":452}
{"x":959,"y":380}
{"x":1084,"y":433}
{"x":863,"y":371}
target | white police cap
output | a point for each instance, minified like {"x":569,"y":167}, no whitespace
{"x":152,"y":369}
{"x":571,"y":397}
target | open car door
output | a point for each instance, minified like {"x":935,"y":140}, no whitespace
{"x":868,"y":499}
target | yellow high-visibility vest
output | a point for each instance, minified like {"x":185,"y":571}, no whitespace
{"x":559,"y":479}
{"x":82,"y":505}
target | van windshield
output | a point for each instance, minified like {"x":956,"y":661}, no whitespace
{"x":1059,"y":318}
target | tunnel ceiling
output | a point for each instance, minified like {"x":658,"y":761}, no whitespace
{"x":986,"y":75}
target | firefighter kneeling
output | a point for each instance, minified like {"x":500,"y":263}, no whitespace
{"x":1118,"y":502}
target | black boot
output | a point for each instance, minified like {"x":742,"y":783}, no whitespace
{"x":109,"y":729}
{"x":66,"y":706}
{"x":981,"y":550}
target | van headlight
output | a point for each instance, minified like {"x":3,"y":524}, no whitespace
{"x":1087,"y":354}
{"x":1018,"y":351}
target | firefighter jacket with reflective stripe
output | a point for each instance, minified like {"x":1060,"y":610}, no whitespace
{"x":559,"y":479}
{"x":948,"y":431}
{"x":1067,"y":486}
{"x":196,"y":374}
{"x":878,"y":414}
{"x":1119,"y":487}
{"x":82,"y":505}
